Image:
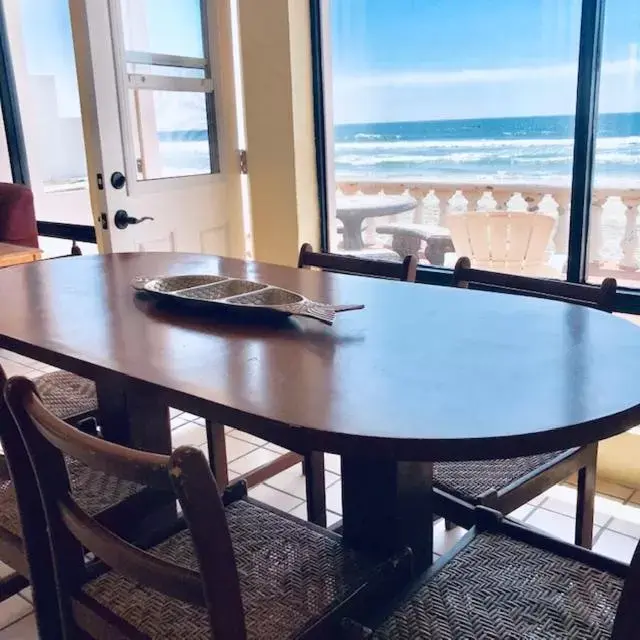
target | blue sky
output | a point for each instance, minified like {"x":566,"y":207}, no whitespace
{"x":174,"y":26}
{"x":397,"y":60}
{"x":408,"y":59}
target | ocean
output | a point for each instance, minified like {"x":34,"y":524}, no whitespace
{"x":500,"y":150}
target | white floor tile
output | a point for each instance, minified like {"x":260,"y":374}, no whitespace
{"x":521,"y":513}
{"x":13,"y":609}
{"x":443,"y":540}
{"x":334,"y":498}
{"x":174,"y":413}
{"x":190,"y":435}
{"x":276,"y":448}
{"x":237,"y":448}
{"x":178,"y":422}
{"x":332,"y":518}
{"x":252,"y":460}
{"x":615,"y":545}
{"x":300,"y":511}
{"x":562,"y":499}
{"x":274,"y":498}
{"x":24,"y":629}
{"x":554,"y":524}
{"x":332,"y":462}
{"x":247,"y":437}
{"x":12,"y":368}
{"x":291,"y":483}
{"x":627,"y":520}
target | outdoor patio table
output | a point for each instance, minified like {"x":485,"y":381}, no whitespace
{"x":354,"y":210}
{"x":422,"y":374}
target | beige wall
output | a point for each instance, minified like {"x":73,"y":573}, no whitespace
{"x":277,"y":80}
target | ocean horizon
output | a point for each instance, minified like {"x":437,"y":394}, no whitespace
{"x":534,"y":149}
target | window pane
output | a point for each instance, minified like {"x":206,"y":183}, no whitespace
{"x":163,"y":26}
{"x":613,"y":224}
{"x":449,"y":118}
{"x":171,"y":133}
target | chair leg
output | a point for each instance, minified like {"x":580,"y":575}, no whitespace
{"x":12,"y":584}
{"x":217,"y":449}
{"x":449,"y":525}
{"x":316,"y":496}
{"x":585,"y":506}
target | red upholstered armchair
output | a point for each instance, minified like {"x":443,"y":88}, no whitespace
{"x":17,"y":215}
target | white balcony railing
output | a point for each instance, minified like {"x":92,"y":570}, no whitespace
{"x":614,"y":244}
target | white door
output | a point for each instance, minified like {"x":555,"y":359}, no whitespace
{"x":158,"y":106}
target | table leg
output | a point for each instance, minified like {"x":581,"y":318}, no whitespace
{"x":387,"y":506}
{"x":352,"y":234}
{"x":133,"y":414}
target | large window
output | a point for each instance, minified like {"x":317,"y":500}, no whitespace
{"x":451,"y":132}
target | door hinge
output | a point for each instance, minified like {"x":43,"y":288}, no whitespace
{"x":103,"y":220}
{"x":100,"y":181}
{"x":242,"y":160}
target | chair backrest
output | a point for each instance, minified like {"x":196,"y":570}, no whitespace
{"x":602,"y":297}
{"x":48,"y":439}
{"x":405,"y":270}
{"x":506,"y":241}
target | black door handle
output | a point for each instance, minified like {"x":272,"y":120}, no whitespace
{"x":122,"y":219}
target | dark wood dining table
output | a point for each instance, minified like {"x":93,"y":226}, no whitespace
{"x":421,"y":374}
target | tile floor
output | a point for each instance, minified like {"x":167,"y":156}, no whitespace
{"x":616,"y":527}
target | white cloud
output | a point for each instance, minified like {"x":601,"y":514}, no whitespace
{"x":630,"y":66}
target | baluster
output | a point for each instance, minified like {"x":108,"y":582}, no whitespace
{"x":419,"y":193}
{"x":594,"y":247}
{"x":473,"y":199}
{"x":629,"y":242}
{"x":502,"y":199}
{"x":444,"y":199}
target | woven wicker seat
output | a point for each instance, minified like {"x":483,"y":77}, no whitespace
{"x":66,"y":394}
{"x":471,"y":480}
{"x":497,"y":587}
{"x":289,"y":576}
{"x":95,"y":491}
{"x":503,"y":581}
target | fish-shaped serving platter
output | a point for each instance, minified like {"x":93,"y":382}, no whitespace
{"x":245,"y":296}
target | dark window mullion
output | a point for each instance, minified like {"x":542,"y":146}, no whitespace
{"x":590,"y":54}
{"x":11,"y":109}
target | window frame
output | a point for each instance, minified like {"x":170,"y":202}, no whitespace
{"x":586,"y":120}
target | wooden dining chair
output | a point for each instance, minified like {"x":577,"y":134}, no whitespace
{"x":340,"y":263}
{"x":406,"y":270}
{"x":127,"y":507}
{"x":504,"y":580}
{"x":507,"y":484}
{"x":232,"y":569}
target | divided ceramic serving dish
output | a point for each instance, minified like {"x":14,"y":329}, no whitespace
{"x":244,"y":296}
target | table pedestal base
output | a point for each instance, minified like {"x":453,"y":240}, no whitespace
{"x":388,"y":506}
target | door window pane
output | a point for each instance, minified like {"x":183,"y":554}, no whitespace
{"x":449,"y":120}
{"x":163,"y":26}
{"x":171,"y":133}
{"x":614,"y":249}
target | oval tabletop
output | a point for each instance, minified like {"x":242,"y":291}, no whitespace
{"x":423,"y":372}
{"x":372,"y":206}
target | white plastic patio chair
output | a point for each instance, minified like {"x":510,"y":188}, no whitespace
{"x":510,"y":242}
